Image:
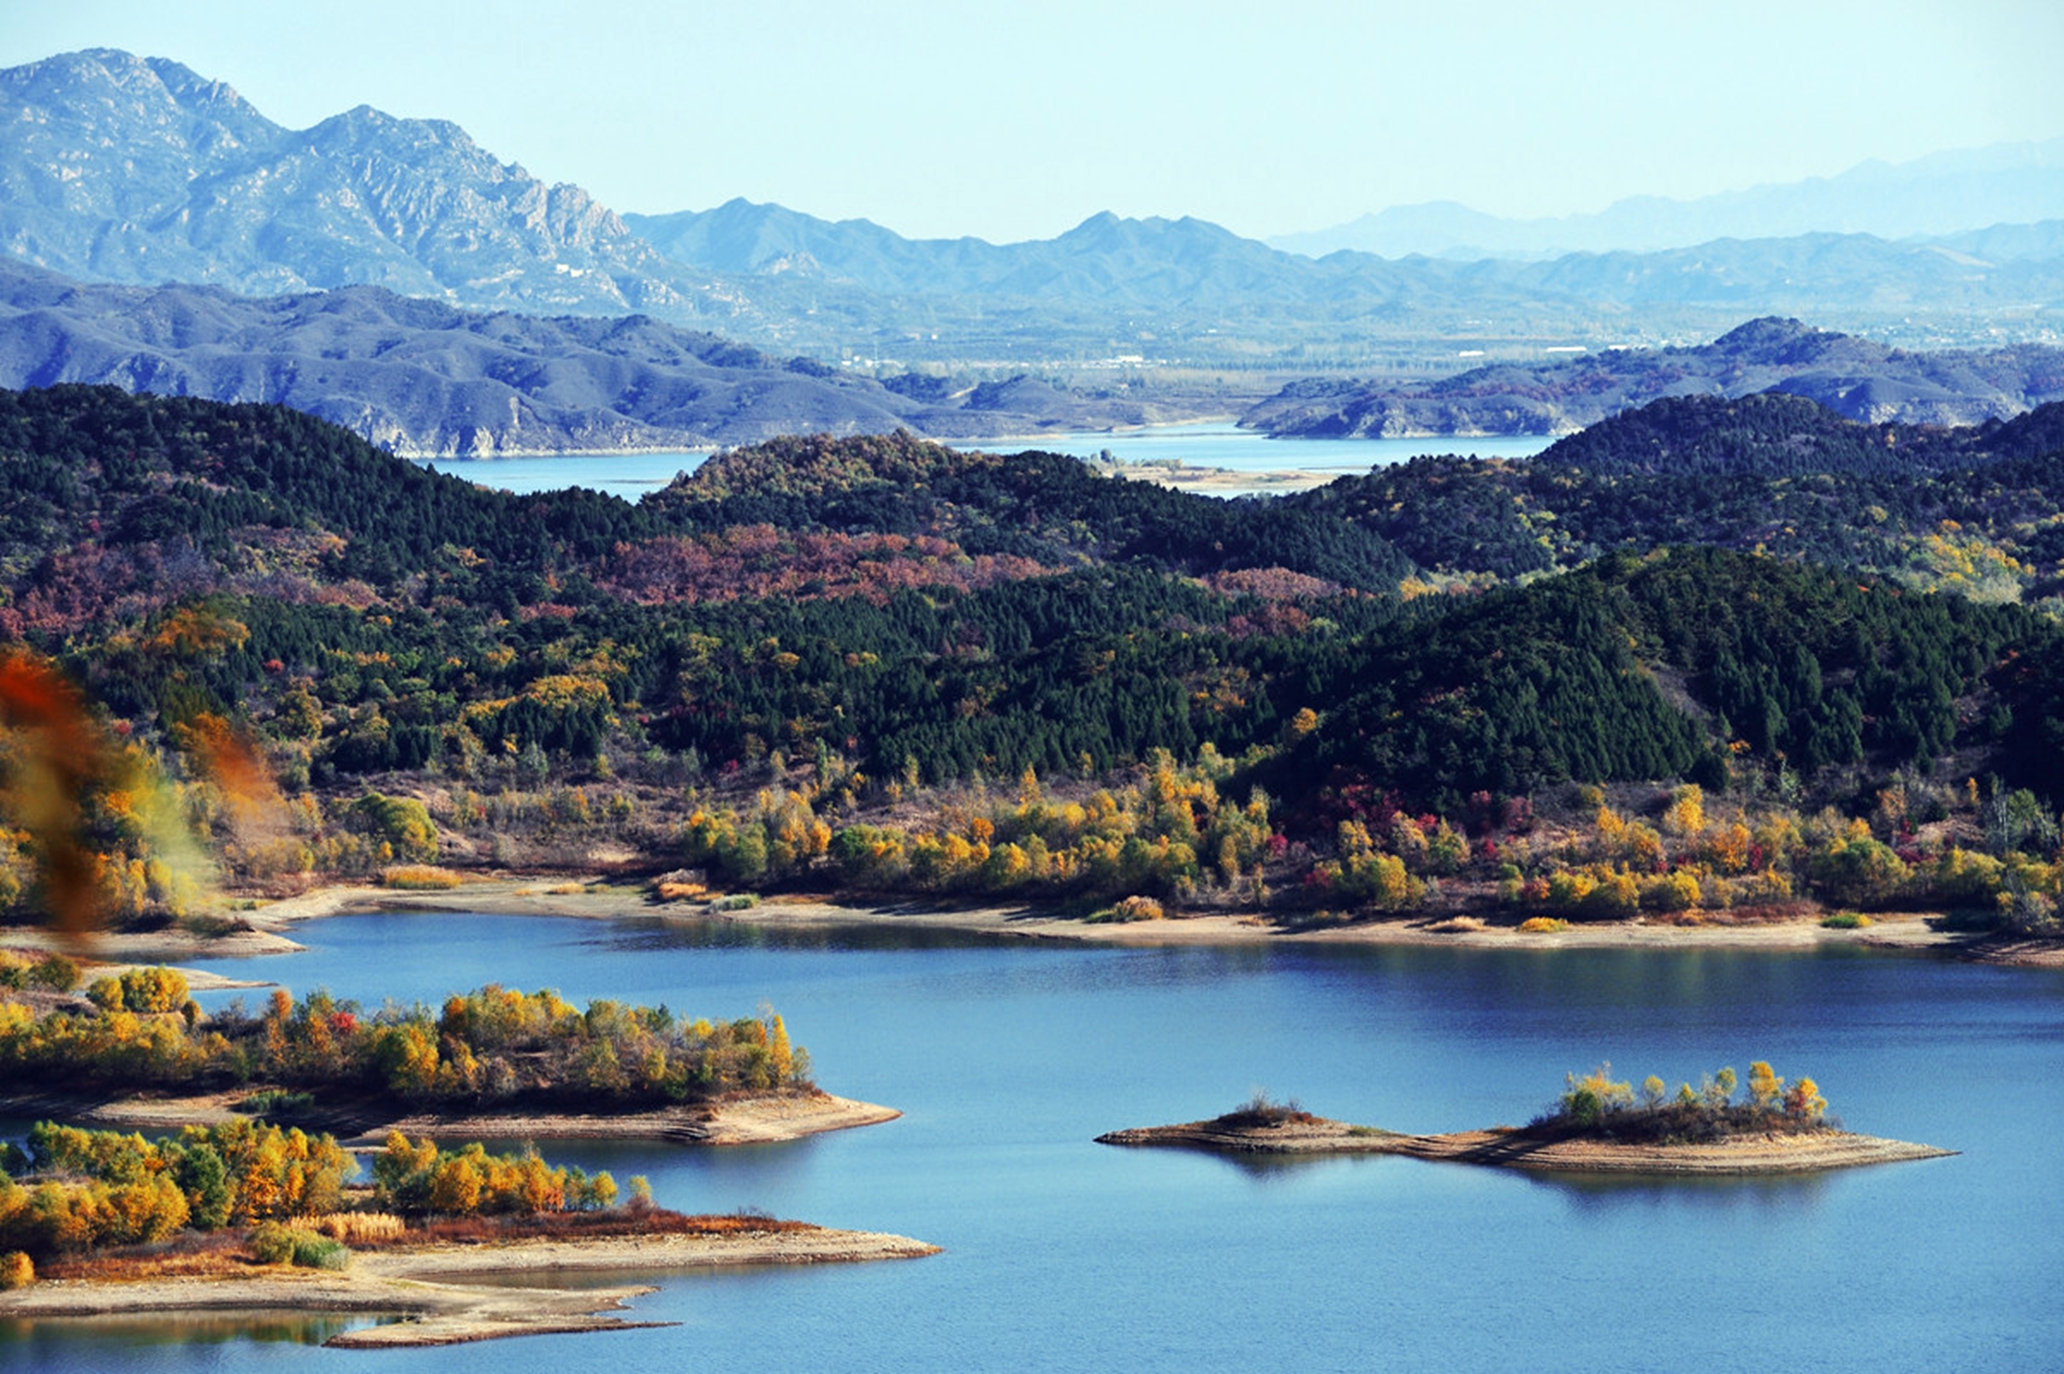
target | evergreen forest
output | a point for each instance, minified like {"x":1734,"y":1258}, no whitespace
{"x":1709,"y":656}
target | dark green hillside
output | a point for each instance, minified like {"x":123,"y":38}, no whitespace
{"x":1972,"y":510}
{"x":1559,"y":681}
{"x":1766,"y":435}
{"x":94,"y":463}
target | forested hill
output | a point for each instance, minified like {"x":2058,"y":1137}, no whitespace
{"x":96,"y":468}
{"x":1971,"y":510}
{"x":1777,"y":434}
{"x":1038,"y":505}
{"x":813,"y":660}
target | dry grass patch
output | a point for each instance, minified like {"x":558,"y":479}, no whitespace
{"x":360,"y":1228}
{"x":209,"y":1255}
{"x":420,"y":878}
{"x":1456,"y":925}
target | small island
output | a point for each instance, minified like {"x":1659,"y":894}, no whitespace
{"x":1596,"y":1126}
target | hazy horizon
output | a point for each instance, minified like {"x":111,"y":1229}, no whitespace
{"x":1017,"y":122}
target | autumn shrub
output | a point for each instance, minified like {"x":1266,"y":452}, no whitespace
{"x":1587,"y":1100}
{"x":416,"y":1177}
{"x":1139,"y":909}
{"x":1846,"y":920}
{"x":319,"y":1252}
{"x":737,"y":901}
{"x":1262,"y":1110}
{"x":1676,"y":891}
{"x":17,"y":1270}
{"x":275,"y":1102}
{"x":1853,"y":867}
{"x":273,"y":1242}
{"x":1597,"y":1106}
{"x":52,"y":972}
{"x":400,"y":826}
{"x":1543,"y":925}
{"x":208,"y":1176}
{"x":156,"y":989}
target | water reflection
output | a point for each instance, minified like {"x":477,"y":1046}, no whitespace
{"x":658,"y":932}
{"x":1603,"y":1194}
{"x":25,"y":1337}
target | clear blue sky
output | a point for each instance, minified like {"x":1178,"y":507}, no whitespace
{"x":1013,"y":120}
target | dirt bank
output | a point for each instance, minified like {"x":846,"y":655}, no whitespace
{"x":733,"y":1121}
{"x":429,"y":1286}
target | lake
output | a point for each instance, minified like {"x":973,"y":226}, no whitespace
{"x":1216,"y":445}
{"x":1008,"y":1057}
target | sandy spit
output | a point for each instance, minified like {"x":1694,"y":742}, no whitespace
{"x":739,"y":1121}
{"x":429,"y":1286}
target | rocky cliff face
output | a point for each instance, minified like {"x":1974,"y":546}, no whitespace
{"x":137,"y":170}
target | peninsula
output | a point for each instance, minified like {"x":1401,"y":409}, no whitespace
{"x":249,"y":1215}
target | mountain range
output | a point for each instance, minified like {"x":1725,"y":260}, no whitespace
{"x":1191,"y":264}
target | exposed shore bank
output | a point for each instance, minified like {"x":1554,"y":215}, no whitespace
{"x":442,"y":1293}
{"x":599,"y":898}
{"x":758,"y":1120}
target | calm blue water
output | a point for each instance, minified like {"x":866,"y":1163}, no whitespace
{"x":1062,"y":1254}
{"x":1217,"y":445}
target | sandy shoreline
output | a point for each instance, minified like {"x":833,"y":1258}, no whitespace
{"x":428,"y":1286}
{"x":596,"y":898}
{"x":1762,"y":1154}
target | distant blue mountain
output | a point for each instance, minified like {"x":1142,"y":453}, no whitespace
{"x":1943,"y":194}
